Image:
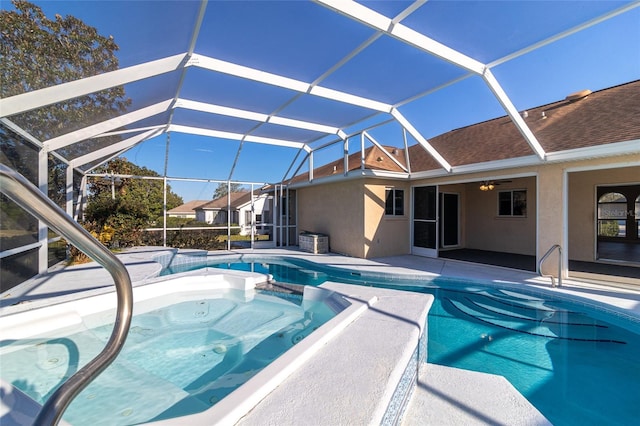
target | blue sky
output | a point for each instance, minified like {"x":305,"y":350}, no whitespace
{"x":302,"y":40}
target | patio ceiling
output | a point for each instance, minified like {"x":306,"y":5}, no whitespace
{"x":298,"y":77}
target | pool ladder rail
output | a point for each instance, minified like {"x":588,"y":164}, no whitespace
{"x":547,"y":254}
{"x":26,"y":195}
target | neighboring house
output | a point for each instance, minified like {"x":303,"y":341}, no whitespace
{"x":216,"y":211}
{"x":241,"y":206}
{"x":259,"y":207}
{"x":187,"y":210}
{"x":584,"y":195}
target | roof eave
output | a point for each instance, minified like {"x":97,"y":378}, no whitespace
{"x":352,"y":175}
{"x":608,"y":150}
{"x":479,"y":167}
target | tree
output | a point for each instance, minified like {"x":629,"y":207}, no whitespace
{"x":119,"y":219}
{"x":38,"y":52}
{"x":223,"y":189}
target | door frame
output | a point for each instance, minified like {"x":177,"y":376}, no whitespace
{"x":632,"y":233}
{"x":425,"y":251}
{"x":444,"y":219}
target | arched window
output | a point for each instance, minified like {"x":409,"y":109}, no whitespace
{"x":612,"y":215}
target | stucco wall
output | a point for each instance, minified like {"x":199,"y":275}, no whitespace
{"x":480,"y":226}
{"x":385,"y":235}
{"x":582,"y":206}
{"x":335,"y":209}
{"x":485,"y":230}
{"x":338,"y":209}
{"x":551,"y":213}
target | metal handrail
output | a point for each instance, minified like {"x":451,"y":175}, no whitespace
{"x":553,"y":283}
{"x":25,"y":194}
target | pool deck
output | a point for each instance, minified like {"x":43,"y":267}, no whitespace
{"x":443,"y":396}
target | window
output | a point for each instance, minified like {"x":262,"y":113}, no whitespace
{"x":394,"y":202}
{"x":512,"y":203}
{"x":612,"y":215}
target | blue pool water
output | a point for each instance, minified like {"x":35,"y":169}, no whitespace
{"x":184,"y":356}
{"x":576,"y":364}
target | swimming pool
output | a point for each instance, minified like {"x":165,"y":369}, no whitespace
{"x":576,"y":363}
{"x":193,"y":341}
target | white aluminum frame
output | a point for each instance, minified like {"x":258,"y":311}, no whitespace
{"x":383,"y":26}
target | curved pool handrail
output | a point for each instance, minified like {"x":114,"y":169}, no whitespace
{"x":553,"y":282}
{"x":25,"y":194}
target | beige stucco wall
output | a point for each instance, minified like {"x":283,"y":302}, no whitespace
{"x":338,"y":209}
{"x":385,"y":235}
{"x":480,"y":226}
{"x":550,"y":214}
{"x":335,"y":209}
{"x":582,"y":206}
{"x":485,"y":230}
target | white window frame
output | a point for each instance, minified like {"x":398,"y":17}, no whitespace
{"x":393,"y":191}
{"x":512,"y":205}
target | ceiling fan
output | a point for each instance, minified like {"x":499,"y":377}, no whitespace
{"x":489,"y":185}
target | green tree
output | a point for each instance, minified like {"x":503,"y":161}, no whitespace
{"x":118,"y":210}
{"x":38,"y":52}
{"x":609,"y":228}
{"x":223,"y":189}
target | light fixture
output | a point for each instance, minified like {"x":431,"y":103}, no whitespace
{"x":487,"y":186}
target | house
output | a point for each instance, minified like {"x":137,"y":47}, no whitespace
{"x":258,"y":206}
{"x":247,"y":209}
{"x":583,"y":196}
{"x":186,"y":210}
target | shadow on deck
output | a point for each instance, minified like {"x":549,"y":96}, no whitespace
{"x":528,"y":263}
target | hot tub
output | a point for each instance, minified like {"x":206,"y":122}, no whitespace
{"x":203,"y":346}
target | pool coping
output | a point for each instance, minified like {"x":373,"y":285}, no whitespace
{"x":379,"y":356}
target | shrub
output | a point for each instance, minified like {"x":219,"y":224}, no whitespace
{"x":206,"y":239}
{"x":609,"y":228}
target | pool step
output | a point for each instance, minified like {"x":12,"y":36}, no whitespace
{"x":531,"y":316}
{"x":451,"y":396}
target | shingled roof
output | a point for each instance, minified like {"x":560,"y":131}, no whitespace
{"x":188,"y":207}
{"x":585,"y":120}
{"x":237,"y":199}
{"x":602,"y":117}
